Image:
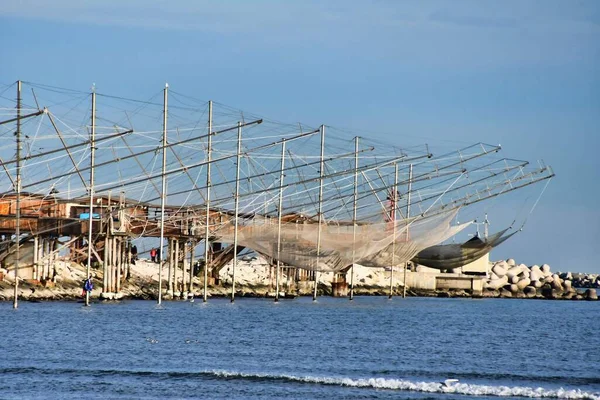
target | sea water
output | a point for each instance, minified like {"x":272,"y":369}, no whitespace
{"x":368,"y":348}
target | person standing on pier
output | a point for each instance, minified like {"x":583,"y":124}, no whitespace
{"x":153,"y":254}
{"x":87,"y":286}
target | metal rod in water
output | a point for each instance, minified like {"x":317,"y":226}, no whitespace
{"x":354,"y":209}
{"x":321,"y":174}
{"x":410,"y":173}
{"x":18,"y":199}
{"x":237,"y":209}
{"x":91,"y":192}
{"x":394,"y":200}
{"x":279,"y":215}
{"x":163,"y":195}
{"x":208,"y":182}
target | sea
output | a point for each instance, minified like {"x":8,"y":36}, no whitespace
{"x":334,"y":348}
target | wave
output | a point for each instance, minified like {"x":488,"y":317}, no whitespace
{"x":459,"y":388}
{"x":423,"y":387}
{"x":466,"y":375}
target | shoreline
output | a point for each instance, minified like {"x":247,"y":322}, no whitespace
{"x":253,"y":280}
{"x":72,"y":293}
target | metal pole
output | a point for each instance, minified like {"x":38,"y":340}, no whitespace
{"x":279,"y":215}
{"x":394,"y":200}
{"x":354,"y":209}
{"x":321,"y":174}
{"x":410,"y":175}
{"x":206,"y":232}
{"x":163,"y":194}
{"x":237,"y":206}
{"x":91,"y":190}
{"x":18,"y":199}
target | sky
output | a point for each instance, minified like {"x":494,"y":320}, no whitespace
{"x":523,"y":74}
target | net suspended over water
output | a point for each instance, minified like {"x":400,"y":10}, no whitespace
{"x":334,"y":247}
{"x":216,"y":161}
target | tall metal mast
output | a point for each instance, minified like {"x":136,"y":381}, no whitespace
{"x":394,"y":199}
{"x":354,"y":208}
{"x":163,"y":195}
{"x":321,"y":174}
{"x":279,"y":215}
{"x":91,"y":189}
{"x":208,"y":182}
{"x":237,"y":205}
{"x":410,"y":176}
{"x":18,"y":199}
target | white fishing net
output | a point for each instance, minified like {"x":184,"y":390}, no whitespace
{"x":337,"y":246}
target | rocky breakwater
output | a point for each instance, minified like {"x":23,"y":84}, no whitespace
{"x":509,"y":279}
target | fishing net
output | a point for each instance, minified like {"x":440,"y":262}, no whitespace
{"x":336,"y":247}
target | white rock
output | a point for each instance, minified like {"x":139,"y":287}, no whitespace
{"x":523,"y":283}
{"x":535,"y":274}
{"x":495,"y":284}
{"x":546,"y":269}
{"x":514,"y":271}
{"x":530,"y":291}
{"x":511,"y":262}
{"x":499,"y":269}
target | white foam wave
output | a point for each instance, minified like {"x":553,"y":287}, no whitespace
{"x":425,"y":387}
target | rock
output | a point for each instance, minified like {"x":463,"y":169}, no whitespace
{"x":568,"y":295}
{"x":546,"y":270}
{"x":514,"y":288}
{"x":505,"y":293}
{"x":568,"y":285}
{"x":511,"y":262}
{"x":535,"y":274}
{"x":591,"y":294}
{"x":490,"y":293}
{"x":545,"y":291}
{"x":495,"y":284}
{"x":566,"y":275}
{"x":530,"y":291}
{"x":514,"y":279}
{"x":513,"y":271}
{"x":499,"y":269}
{"x":557,"y":284}
{"x":523,"y":283}
{"x":537,"y":284}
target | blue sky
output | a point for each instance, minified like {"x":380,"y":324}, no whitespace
{"x":524,"y":74}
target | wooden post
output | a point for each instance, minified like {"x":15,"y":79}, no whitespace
{"x":119,"y":264}
{"x":191,"y":284}
{"x":184,"y":287}
{"x":105,"y":265}
{"x":175,"y":265}
{"x":113,"y":275}
{"x":170,"y":264}
{"x":36,"y":272}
